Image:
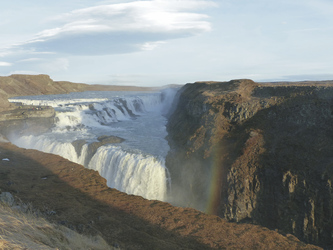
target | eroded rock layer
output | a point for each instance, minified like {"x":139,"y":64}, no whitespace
{"x":258,"y":153}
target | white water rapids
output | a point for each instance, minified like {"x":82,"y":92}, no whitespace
{"x":136,"y":165}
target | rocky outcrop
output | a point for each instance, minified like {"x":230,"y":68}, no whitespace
{"x":256,"y":153}
{"x":26,"y":120}
{"x":7,"y":198}
{"x":93,"y":146}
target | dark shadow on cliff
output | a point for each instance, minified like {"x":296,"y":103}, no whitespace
{"x":281,"y":165}
{"x":78,"y":198}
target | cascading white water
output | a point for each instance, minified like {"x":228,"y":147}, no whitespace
{"x":135,"y":166}
{"x":136,"y":173}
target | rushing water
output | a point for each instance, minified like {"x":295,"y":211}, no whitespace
{"x":136,"y":165}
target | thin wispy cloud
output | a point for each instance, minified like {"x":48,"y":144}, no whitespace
{"x":121,"y":28}
{"x":5,"y":64}
{"x":167,"y":41}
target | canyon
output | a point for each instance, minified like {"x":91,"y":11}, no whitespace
{"x":255,"y":157}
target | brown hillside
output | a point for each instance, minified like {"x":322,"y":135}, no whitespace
{"x":24,"y":85}
{"x":79,"y":198}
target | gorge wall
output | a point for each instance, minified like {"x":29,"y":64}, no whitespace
{"x":257,"y":153}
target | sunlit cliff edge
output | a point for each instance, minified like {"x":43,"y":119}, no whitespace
{"x":207,"y":122}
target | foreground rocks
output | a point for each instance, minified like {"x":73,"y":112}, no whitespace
{"x":256,"y":153}
{"x":80,"y":199}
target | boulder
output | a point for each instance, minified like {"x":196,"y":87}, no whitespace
{"x":7,"y":198}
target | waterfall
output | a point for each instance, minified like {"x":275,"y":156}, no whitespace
{"x":135,"y":166}
{"x":135,"y":173}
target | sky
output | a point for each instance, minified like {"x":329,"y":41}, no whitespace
{"x":160,"y":42}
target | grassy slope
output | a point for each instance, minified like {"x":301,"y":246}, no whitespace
{"x":26,"y":231}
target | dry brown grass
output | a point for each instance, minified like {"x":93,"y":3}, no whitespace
{"x":328,"y":83}
{"x":20,"y":230}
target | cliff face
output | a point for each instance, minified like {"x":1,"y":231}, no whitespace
{"x":256,"y":153}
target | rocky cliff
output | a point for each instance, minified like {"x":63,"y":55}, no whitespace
{"x":257,"y":153}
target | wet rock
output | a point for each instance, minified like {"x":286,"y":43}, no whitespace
{"x":78,"y":144}
{"x":102,"y":140}
{"x":106,"y":139}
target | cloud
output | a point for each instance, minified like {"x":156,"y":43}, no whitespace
{"x":5,"y":64}
{"x":33,"y":59}
{"x":151,"y":45}
{"x":122,"y":28}
{"x":23,"y":72}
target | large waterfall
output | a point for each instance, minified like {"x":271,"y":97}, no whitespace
{"x":134,"y":162}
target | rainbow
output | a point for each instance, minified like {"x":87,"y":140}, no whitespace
{"x":216,"y":183}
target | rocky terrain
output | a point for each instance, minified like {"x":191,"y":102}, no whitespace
{"x":256,"y":153}
{"x":68,"y":194}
